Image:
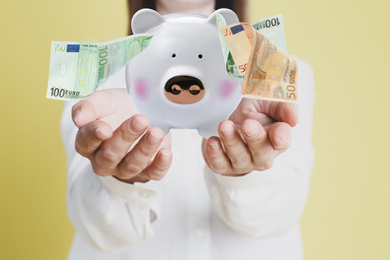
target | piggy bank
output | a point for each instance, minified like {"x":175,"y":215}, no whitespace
{"x":180,"y":79}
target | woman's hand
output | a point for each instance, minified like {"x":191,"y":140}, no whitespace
{"x":108,"y":136}
{"x":254,"y":135}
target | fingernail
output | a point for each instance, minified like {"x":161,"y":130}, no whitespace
{"x":153,"y":138}
{"x":227,"y":130}
{"x":100,"y":134}
{"x":286,"y":143}
{"x":214,"y":145}
{"x":254,"y":130}
{"x":165,"y":156}
{"x":137,"y":125}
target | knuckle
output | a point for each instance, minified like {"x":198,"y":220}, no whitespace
{"x":145,"y":151}
{"x":235,"y":162}
{"x":213,"y":155}
{"x":132,"y":168}
{"x":239,"y":161}
{"x":259,"y":153}
{"x":259,"y":137}
{"x":108,"y":156}
{"x":125,"y":135}
{"x":262,"y":153}
{"x":233,"y":142}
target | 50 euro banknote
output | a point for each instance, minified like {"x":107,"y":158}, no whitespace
{"x":270,"y":73}
{"x":77,"y":69}
{"x":271,"y":27}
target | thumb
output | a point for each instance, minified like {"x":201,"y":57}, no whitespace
{"x":94,"y":107}
{"x":284,"y":112}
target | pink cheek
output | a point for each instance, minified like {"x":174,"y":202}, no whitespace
{"x":226,"y":89}
{"x":141,"y":89}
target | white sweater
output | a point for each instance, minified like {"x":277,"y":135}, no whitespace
{"x":193,"y":213}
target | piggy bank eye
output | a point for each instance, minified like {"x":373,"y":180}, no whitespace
{"x":173,"y":55}
{"x":200,"y":56}
{"x":176,"y":90}
{"x":194,"y":90}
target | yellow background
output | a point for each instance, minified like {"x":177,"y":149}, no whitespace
{"x":346,"y":42}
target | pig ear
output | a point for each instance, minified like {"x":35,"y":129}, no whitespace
{"x":229,"y":16}
{"x":145,"y":20}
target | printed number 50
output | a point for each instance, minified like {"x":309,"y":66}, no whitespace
{"x":242,"y":68}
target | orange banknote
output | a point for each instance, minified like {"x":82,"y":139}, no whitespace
{"x":270,"y":73}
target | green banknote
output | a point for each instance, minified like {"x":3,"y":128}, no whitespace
{"x":272,"y":28}
{"x":222,"y":23}
{"x":231,"y":67}
{"x":77,"y":69}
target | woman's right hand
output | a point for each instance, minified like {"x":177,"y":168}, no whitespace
{"x":109,"y":136}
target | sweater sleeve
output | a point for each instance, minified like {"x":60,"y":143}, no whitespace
{"x":107,"y":213}
{"x":271,"y":202}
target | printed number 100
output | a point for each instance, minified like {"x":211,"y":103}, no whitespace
{"x":272,"y":22}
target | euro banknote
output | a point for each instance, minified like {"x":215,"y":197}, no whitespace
{"x":222,"y":23}
{"x":271,"y":73}
{"x":238,"y":42}
{"x":77,"y":69}
{"x":271,"y":27}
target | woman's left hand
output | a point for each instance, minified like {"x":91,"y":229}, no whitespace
{"x":255,"y":134}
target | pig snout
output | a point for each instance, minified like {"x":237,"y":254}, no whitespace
{"x":184,"y":90}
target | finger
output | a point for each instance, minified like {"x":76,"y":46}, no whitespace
{"x":217,"y":159}
{"x":259,"y":145}
{"x":159,"y":166}
{"x":94,"y":107}
{"x":112,"y":151}
{"x":284,"y":112}
{"x":280,"y":136}
{"x":90,"y":136}
{"x":236,"y":149}
{"x":139,"y":157}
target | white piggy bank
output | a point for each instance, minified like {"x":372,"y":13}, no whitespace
{"x":180,"y":79}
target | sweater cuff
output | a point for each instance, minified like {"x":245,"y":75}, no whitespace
{"x":251,"y":180}
{"x":130,"y":191}
{"x":146,"y":195}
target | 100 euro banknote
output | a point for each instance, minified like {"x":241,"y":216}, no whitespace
{"x":273,"y":29}
{"x":77,"y":69}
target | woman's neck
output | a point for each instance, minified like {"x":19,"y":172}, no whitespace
{"x":205,"y":7}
